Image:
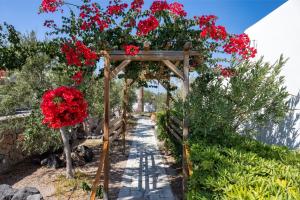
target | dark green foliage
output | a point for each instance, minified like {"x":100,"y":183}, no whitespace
{"x":15,"y":49}
{"x":254,"y":95}
{"x":38,"y":138}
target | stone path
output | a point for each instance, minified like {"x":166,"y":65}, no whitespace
{"x":145,"y":175}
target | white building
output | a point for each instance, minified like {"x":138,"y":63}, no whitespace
{"x":275,"y":34}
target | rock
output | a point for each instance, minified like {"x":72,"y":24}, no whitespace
{"x":6,"y":192}
{"x":77,"y":160}
{"x":35,"y":197}
{"x":52,"y":161}
{"x":85,"y":152}
{"x":22,"y":194}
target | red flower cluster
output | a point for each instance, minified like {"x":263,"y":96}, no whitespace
{"x":227,"y":72}
{"x":131,"y":50}
{"x":116,"y":9}
{"x":209,"y":28}
{"x":75,"y":55}
{"x":240,"y":44}
{"x":214,"y":32}
{"x":50,"y":5}
{"x":147,"y":25}
{"x":78,"y":77}
{"x":159,"y":5}
{"x":137,"y":5}
{"x":177,"y":9}
{"x":63,"y":106}
{"x":91,"y":15}
{"x":206,"y":20}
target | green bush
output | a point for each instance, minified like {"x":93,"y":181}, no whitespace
{"x":237,"y":167}
{"x":228,"y":163}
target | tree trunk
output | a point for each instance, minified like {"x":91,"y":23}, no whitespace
{"x":141,"y":99}
{"x":67,"y":150}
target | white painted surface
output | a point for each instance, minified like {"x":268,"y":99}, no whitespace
{"x":275,"y":34}
{"x":279,"y":33}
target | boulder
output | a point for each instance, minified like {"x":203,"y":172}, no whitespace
{"x":6,"y":192}
{"x":35,"y":197}
{"x":23,"y":193}
{"x":53,"y":161}
{"x":85,"y":152}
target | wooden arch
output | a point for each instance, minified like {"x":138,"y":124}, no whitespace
{"x":170,"y":59}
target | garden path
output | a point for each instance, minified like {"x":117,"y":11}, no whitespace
{"x":145,"y":174}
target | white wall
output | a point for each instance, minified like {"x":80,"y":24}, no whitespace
{"x":279,"y":33}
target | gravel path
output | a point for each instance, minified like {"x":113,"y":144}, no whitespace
{"x":145,"y":174}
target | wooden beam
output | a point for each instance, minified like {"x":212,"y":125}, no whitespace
{"x":115,"y":72}
{"x":173,"y":68}
{"x":174,"y":134}
{"x":151,"y":55}
{"x":106,"y":126}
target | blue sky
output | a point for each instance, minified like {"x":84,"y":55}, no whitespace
{"x":235,"y":15}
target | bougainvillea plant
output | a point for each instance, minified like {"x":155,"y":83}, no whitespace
{"x":63,"y":106}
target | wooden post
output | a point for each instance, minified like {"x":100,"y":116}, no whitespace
{"x":187,"y":47}
{"x":168,"y":98}
{"x":124,"y":113}
{"x":106,"y":126}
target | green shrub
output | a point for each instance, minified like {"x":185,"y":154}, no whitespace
{"x":238,"y":167}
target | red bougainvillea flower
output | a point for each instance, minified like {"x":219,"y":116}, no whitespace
{"x":177,"y":9}
{"x":147,"y":25}
{"x":63,"y":106}
{"x":214,"y":32}
{"x":79,"y":54}
{"x":137,"y":5}
{"x":90,"y":15}
{"x":50,"y":5}
{"x":116,"y":9}
{"x":224,"y":72}
{"x":240,"y":44}
{"x":131,"y":50}
{"x":159,"y":5}
{"x":206,"y":20}
{"x":78,"y":77}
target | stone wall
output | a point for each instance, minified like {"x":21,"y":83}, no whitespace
{"x":10,"y":137}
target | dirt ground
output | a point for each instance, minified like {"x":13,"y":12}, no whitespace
{"x":53,"y":186}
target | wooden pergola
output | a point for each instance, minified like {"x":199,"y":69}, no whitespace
{"x":170,"y":59}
